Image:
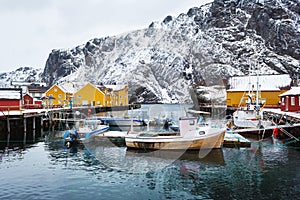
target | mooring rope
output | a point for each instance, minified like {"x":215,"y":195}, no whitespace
{"x":289,"y":134}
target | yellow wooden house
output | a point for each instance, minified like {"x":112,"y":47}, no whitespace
{"x":122,"y":95}
{"x":55,"y":95}
{"x":118,"y":94}
{"x":60,"y":94}
{"x":269,"y":88}
{"x":90,"y":95}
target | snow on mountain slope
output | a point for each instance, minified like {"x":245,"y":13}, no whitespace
{"x":202,"y":47}
{"x":21,"y":74}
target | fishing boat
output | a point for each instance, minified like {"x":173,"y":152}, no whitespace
{"x":84,"y":130}
{"x":251,"y":115}
{"x":191,"y":136}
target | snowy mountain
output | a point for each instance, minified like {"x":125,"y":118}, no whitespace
{"x":201,"y":47}
{"x":27,"y":74}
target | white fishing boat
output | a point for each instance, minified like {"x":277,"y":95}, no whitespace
{"x":191,"y":136}
{"x":250,"y":118}
{"x":251,"y":115}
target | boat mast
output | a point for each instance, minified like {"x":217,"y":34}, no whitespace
{"x":257,"y":91}
{"x":131,"y":123}
{"x":257,"y":97}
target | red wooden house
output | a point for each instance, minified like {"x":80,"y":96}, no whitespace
{"x":30,"y":103}
{"x":290,"y":100}
{"x":10,"y":99}
{"x":27,"y":99}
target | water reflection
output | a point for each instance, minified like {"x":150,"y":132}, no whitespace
{"x":112,"y":172}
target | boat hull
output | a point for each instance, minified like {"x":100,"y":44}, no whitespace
{"x":213,"y":141}
{"x":248,"y":119}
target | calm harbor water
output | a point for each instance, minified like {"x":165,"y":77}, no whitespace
{"x":102,"y":170}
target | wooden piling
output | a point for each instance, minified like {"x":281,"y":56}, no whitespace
{"x":33,"y":128}
{"x":25,"y":129}
{"x":8,"y":127}
{"x":8,"y":130}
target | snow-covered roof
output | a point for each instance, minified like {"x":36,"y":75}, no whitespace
{"x":265,"y":82}
{"x":69,"y":87}
{"x":115,"y":87}
{"x":24,"y":83}
{"x":291,"y":92}
{"x":10,"y":94}
{"x":37,"y":89}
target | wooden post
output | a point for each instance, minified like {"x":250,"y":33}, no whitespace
{"x":52,"y":116}
{"x":33,"y":127}
{"x":42,"y":126}
{"x":24,"y":129}
{"x":8,"y":130}
{"x":131,"y":124}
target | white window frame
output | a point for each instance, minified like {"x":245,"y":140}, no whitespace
{"x":282,"y":101}
{"x":292,"y":101}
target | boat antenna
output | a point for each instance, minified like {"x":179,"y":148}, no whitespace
{"x":131,"y":123}
{"x":257,"y":91}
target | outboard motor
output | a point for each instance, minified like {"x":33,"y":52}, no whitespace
{"x":74,"y":135}
{"x":166,"y":124}
{"x":73,"y":138}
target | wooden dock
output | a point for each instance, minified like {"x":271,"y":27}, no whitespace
{"x":291,"y":117}
{"x":29,"y":124}
{"x":84,"y":109}
{"x":232,"y":139}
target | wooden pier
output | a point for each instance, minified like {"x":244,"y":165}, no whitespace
{"x":30,"y":124}
{"x":291,"y":117}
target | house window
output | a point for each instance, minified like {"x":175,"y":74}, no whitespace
{"x":282,"y":101}
{"x":292,"y":101}
{"x":79,"y":96}
{"x":59,"y":96}
{"x":299,"y":100}
{"x":55,"y":89}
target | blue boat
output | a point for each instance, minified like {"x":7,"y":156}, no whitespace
{"x":85,"y":130}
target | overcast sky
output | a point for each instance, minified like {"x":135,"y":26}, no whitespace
{"x":30,"y":29}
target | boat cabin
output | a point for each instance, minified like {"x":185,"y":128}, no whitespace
{"x":188,"y":125}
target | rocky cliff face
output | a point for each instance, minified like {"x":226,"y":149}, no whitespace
{"x":202,"y":47}
{"x":26,"y":74}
